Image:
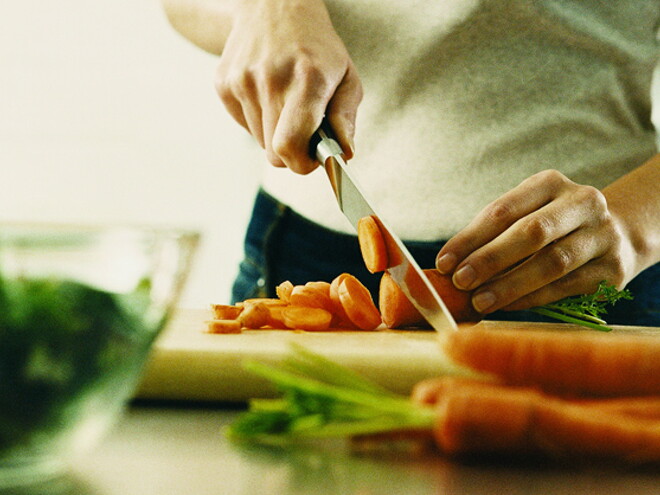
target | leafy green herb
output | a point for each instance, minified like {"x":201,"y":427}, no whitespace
{"x":323,"y":399}
{"x":65,"y":349}
{"x":585,"y":310}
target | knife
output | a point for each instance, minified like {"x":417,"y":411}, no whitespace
{"x":403,"y":268}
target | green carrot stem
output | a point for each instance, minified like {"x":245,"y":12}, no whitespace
{"x":570,"y":319}
{"x":577,"y":314}
{"x":314,"y":387}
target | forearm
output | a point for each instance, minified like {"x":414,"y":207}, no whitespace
{"x":206,"y":23}
{"x":634,"y":200}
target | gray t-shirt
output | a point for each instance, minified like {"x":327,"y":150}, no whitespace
{"x":464,"y":99}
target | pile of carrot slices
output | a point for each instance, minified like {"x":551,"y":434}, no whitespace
{"x":345,"y":304}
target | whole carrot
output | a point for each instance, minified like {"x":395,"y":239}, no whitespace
{"x":580,"y":363}
{"x":474,"y":417}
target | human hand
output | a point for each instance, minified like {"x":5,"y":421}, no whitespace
{"x":282,"y":68}
{"x":544,"y":240}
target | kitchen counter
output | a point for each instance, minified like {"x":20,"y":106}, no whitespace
{"x":177,"y":448}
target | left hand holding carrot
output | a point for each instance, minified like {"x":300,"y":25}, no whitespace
{"x":547,"y":239}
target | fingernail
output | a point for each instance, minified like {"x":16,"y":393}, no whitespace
{"x":351,"y":145}
{"x":464,"y":277}
{"x":446,"y":262}
{"x":483,"y":300}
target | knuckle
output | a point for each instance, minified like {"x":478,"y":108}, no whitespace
{"x":592,"y":197}
{"x":560,"y":259}
{"x":234,"y":84}
{"x":499,"y":212}
{"x":282,"y":146}
{"x":616,"y":268}
{"x":539,"y":231}
{"x":552,"y":179}
{"x":488,"y":261}
{"x":308,"y":72}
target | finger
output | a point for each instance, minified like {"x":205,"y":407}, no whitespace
{"x":240,"y":97}
{"x":272,"y":106}
{"x":234,"y":108}
{"x":582,"y":281}
{"x":554,"y":262}
{"x":530,"y":195}
{"x":342,"y":110}
{"x":524,"y":238}
{"x":300,"y":117}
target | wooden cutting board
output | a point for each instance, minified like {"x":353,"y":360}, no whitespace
{"x":188,"y":364}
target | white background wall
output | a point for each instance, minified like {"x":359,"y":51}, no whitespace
{"x":108,"y":115}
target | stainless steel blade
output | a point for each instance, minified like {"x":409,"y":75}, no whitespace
{"x":405,"y":271}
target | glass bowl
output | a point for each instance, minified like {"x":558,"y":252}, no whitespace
{"x":79,"y":310}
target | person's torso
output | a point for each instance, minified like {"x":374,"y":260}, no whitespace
{"x":464,"y":99}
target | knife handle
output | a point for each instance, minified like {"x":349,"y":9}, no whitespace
{"x":323,"y":143}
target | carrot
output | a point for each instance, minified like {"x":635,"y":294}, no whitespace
{"x":573,"y":362}
{"x":225,"y":311}
{"x":311,"y":319}
{"x":372,"y":244}
{"x":283,"y":290}
{"x":398,"y":312}
{"x":223,"y":326}
{"x":311,"y":297}
{"x":476,"y":417}
{"x":641,"y":407}
{"x":340,"y":318}
{"x":254,"y":315}
{"x":358,"y":305}
{"x":320,"y":286}
{"x":267,"y":301}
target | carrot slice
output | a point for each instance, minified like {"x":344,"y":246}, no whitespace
{"x":223,"y":326}
{"x":356,"y":300}
{"x":582,"y":363}
{"x":340,"y":318}
{"x":254,"y":315}
{"x":311,"y":297}
{"x":399,"y":312}
{"x":283,"y":290}
{"x":305,"y":318}
{"x":320,"y":286}
{"x":372,"y":244}
{"x":225,"y":311}
{"x":477,"y":417}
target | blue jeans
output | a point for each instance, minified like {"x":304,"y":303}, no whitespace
{"x":282,"y":245}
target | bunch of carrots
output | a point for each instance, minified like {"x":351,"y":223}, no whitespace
{"x":573,"y":393}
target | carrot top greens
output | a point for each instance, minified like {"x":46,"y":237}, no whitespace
{"x":585,"y":310}
{"x":323,"y":399}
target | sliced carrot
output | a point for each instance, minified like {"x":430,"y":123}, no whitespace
{"x":275,"y":319}
{"x":254,"y":315}
{"x":225,"y":311}
{"x":283,"y":290}
{"x":372,"y":244}
{"x":476,"y":417}
{"x":311,"y":297}
{"x":320,"y":286}
{"x":399,"y":312}
{"x":567,"y":362}
{"x":305,"y":318}
{"x":266,"y":301}
{"x":223,"y":326}
{"x":340,"y":318}
{"x":356,"y":300}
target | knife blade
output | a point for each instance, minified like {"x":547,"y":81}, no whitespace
{"x":403,"y":268}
